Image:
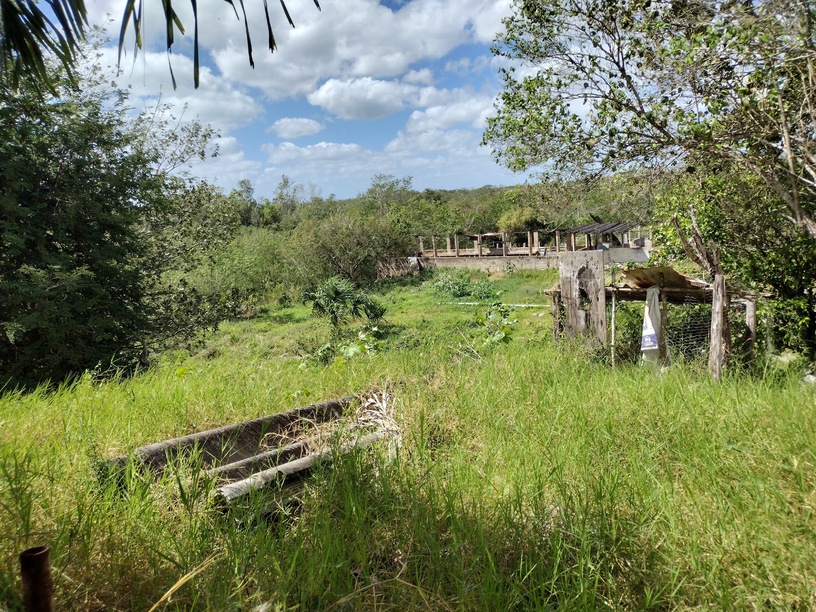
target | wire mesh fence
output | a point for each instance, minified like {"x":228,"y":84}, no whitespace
{"x":687,"y":328}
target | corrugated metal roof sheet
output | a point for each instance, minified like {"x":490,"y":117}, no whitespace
{"x":642,"y":278}
{"x":599,"y":228}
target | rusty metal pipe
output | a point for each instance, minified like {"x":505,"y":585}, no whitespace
{"x":35,"y":570}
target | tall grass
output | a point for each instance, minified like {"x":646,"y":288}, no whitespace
{"x":530,"y":476}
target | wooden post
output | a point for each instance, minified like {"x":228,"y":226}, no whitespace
{"x":504,"y":244}
{"x":479,"y":244}
{"x":448,"y":243}
{"x":718,"y":349}
{"x":421,"y":246}
{"x":556,"y":314}
{"x":530,"y":243}
{"x":456,"y":244}
{"x":664,"y":349}
{"x":750,"y":323}
{"x":614,"y":325}
{"x":433,"y":242}
{"x":35,"y":571}
{"x":557,"y":241}
{"x":537,"y":241}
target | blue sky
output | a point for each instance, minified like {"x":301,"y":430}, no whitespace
{"x":359,"y":88}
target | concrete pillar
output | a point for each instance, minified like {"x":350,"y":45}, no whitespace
{"x":479,"y":244}
{"x":433,"y":242}
{"x":537,"y":241}
{"x":421,"y":245}
{"x":447,"y":240}
{"x":530,"y":243}
{"x":504,"y":244}
{"x":557,"y":241}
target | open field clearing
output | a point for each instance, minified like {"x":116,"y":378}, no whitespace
{"x":529,"y":475}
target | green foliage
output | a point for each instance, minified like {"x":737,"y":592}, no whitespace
{"x":339,"y":300}
{"x":529,"y":478}
{"x":344,"y":244}
{"x":519,"y":219}
{"x":90,"y":224}
{"x":458,"y":284}
{"x":759,"y":249}
{"x":70,"y":272}
{"x":498,"y":325}
{"x":639,"y":84}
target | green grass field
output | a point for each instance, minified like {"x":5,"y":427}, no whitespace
{"x":531,"y":476}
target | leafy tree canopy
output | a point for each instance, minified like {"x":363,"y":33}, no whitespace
{"x":595,"y":86}
{"x":91,"y":223}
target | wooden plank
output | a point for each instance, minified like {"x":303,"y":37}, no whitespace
{"x":262,"y":461}
{"x":232,"y":443}
{"x":292,"y":470}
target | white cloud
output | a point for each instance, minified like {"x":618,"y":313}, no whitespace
{"x":364,"y":98}
{"x":419,"y":77}
{"x":218,"y":101}
{"x":288,"y":152}
{"x":357,"y":59}
{"x":295,"y":127}
{"x":230,"y":166}
{"x":469,"y":111}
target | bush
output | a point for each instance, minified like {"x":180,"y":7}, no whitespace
{"x":458,"y":284}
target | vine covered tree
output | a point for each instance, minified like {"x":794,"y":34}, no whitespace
{"x":605,"y":85}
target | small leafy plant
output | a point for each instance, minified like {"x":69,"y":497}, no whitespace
{"x":497,"y":324}
{"x":339,"y":300}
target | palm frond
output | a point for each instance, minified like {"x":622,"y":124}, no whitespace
{"x":28,"y":34}
{"x":132,"y":16}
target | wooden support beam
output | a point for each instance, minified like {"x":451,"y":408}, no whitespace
{"x":614,"y":327}
{"x":557,"y":241}
{"x":750,"y":324}
{"x":530,"y":243}
{"x":421,"y":245}
{"x":448,"y":243}
{"x":504,"y":244}
{"x":718,"y":349}
{"x":537,"y":241}
{"x":479,"y":244}
{"x":433,"y":243}
{"x":456,"y":244}
{"x":664,"y":349}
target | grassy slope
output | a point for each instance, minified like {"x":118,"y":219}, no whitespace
{"x":530,"y":476}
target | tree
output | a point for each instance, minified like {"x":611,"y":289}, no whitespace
{"x":758,"y":248}
{"x":70,"y":259}
{"x":596,"y":86}
{"x":28,"y":33}
{"x":89,"y":228}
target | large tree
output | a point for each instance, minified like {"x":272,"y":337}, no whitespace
{"x":604,"y":85}
{"x":90,"y":225}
